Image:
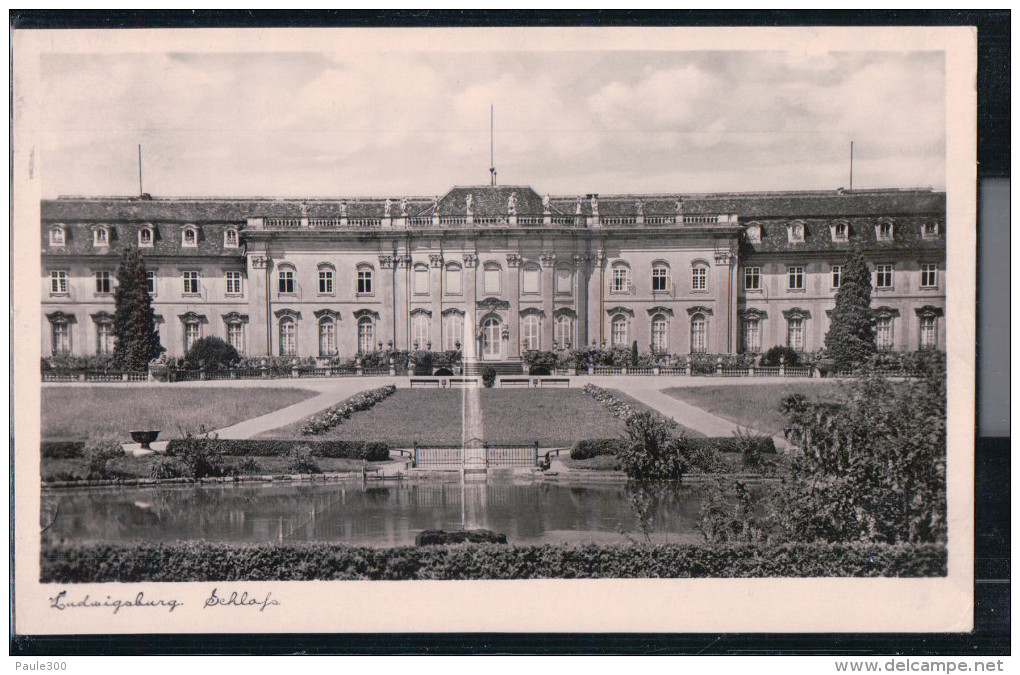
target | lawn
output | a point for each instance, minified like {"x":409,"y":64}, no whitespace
{"x":756,"y":406}
{"x":77,"y":412}
{"x":433,"y":417}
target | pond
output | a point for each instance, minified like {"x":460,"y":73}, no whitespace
{"x":372,"y":514}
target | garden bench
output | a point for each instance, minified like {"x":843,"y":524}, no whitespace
{"x":514,"y":382}
{"x":424,"y":382}
{"x":554,"y":382}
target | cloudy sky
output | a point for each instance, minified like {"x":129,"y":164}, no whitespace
{"x":309,"y":124}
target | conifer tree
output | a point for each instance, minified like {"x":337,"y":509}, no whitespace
{"x":851,"y":337}
{"x":134,"y":322}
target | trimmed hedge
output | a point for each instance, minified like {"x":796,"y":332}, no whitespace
{"x":204,"y":561}
{"x":442,"y":537}
{"x":64,"y":449}
{"x":611,"y":446}
{"x":336,"y":449}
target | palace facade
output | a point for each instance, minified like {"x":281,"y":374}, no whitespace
{"x":496,"y":270}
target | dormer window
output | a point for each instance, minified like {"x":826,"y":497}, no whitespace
{"x":930,"y":230}
{"x":57,"y":235}
{"x":189,"y":237}
{"x":840,"y":231}
{"x":101,"y":236}
{"x":795,"y":232}
{"x":884,"y":231}
{"x":230,"y":238}
{"x":145,"y":237}
{"x":754,"y":234}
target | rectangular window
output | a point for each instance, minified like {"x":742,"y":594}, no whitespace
{"x":191,"y":283}
{"x":150,"y":282}
{"x":929,"y":230}
{"x":421,"y":280}
{"x":286,"y":281}
{"x":837,"y":275}
{"x":660,"y":336}
{"x":325,"y":282}
{"x":796,"y":278}
{"x":752,"y":335}
{"x":453,"y":285}
{"x":58,"y":282}
{"x":619,"y":334}
{"x":928,"y":336}
{"x":104,"y":338}
{"x":660,"y":279}
{"x":327,"y":337}
{"x":364,"y":281}
{"x":928,"y":275}
{"x":752,"y":278}
{"x":883,"y":276}
{"x":366,"y":342}
{"x":621,"y":280}
{"x":233,"y":283}
{"x":699,"y":279}
{"x":531,"y":280}
{"x":564,"y":281}
{"x":190,"y":334}
{"x":795,"y":334}
{"x":235,"y":336}
{"x":103,"y":283}
{"x":884,"y":332}
{"x":453,"y":331}
{"x":490,"y":280}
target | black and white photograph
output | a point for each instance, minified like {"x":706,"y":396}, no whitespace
{"x":680,"y":314}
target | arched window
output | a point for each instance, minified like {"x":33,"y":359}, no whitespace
{"x":104,"y":333}
{"x":563,"y":331}
{"x":620,"y":282}
{"x":189,"y":236}
{"x":101,"y":236}
{"x":884,"y":231}
{"x":840,"y":231}
{"x":929,"y":331}
{"x":287,"y":285}
{"x":421,"y":328}
{"x":230,"y":239}
{"x":795,"y":232}
{"x":531,"y":279}
{"x":327,"y":336}
{"x":288,"y":336}
{"x":366,"y":335}
{"x":57,"y":235}
{"x":660,"y":277}
{"x":699,"y":334}
{"x":453,"y":279}
{"x":192,"y":332}
{"x":365,"y":286}
{"x":453,"y":331}
{"x":795,"y":333}
{"x":531,"y":326}
{"x":326,"y":273}
{"x":752,"y":334}
{"x":60,"y":334}
{"x":145,"y":237}
{"x":660,"y":334}
{"x":699,"y":275}
{"x":564,"y":280}
{"x":884,"y":332}
{"x":235,"y":334}
{"x":421,"y":279}
{"x":491,"y":278}
{"x":618,"y":332}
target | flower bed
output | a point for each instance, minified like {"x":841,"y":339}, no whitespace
{"x":335,"y":415}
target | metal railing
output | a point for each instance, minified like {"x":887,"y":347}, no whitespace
{"x":435,"y":456}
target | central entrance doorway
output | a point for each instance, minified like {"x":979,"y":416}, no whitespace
{"x":492,"y":343}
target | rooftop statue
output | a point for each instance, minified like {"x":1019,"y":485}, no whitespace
{"x":343,"y":209}
{"x":595,"y":205}
{"x":640,"y":207}
{"x":435,"y":204}
{"x":679,"y":206}
{"x":468,"y":202}
{"x":511,"y":204}
{"x":578,"y":209}
{"x":403,"y":206}
{"x":387,"y":208}
{"x":545,"y":203}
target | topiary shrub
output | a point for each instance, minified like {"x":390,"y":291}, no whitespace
{"x":772,"y":356}
{"x":211,"y":353}
{"x":98,"y":452}
{"x":489,"y":376}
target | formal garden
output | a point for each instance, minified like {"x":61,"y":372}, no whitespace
{"x":859,"y":491}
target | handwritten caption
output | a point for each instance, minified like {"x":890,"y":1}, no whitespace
{"x":242,"y":600}
{"x":61,"y":601}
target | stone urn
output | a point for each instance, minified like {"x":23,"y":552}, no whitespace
{"x":145,"y":437}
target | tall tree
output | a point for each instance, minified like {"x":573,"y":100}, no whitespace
{"x":851,"y":337}
{"x":134,"y":322}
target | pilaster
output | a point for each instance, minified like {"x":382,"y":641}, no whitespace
{"x":513,"y":264}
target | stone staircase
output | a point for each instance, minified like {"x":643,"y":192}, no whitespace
{"x":475,"y":368}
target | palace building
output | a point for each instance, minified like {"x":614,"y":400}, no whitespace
{"x":495,"y":270}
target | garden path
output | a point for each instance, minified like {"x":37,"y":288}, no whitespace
{"x":649,"y":391}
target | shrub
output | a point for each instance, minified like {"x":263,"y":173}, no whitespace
{"x":586,"y":449}
{"x":789,"y":355}
{"x":442,"y":537}
{"x":98,"y":452}
{"x":334,"y":449}
{"x":204,"y":561}
{"x":851,"y":337}
{"x":211,"y":353}
{"x":653,"y":453}
{"x":165,"y":468}
{"x":335,"y":415}
{"x":489,"y":376}
{"x":249,"y":465}
{"x":61,"y":449}
{"x":299,"y":460}
{"x":198,"y":456}
{"x":103,"y":363}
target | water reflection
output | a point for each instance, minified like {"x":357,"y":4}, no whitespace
{"x":372,"y":514}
